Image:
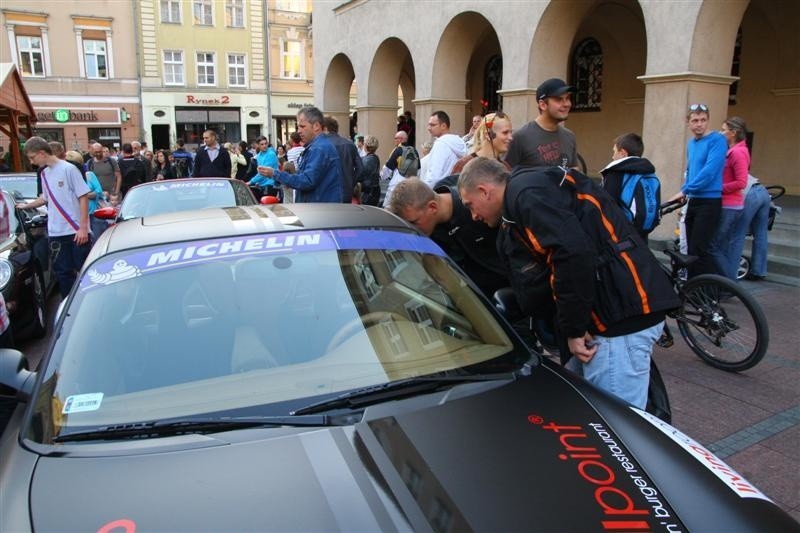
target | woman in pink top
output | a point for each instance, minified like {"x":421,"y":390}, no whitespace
{"x":734,"y":180}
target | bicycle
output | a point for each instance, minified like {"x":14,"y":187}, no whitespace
{"x":721,"y":322}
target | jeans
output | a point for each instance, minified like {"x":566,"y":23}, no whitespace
{"x":621,"y":364}
{"x":755,"y":218}
{"x":722,"y":248}
{"x":98,"y":226}
{"x":67,"y":259}
{"x":702,"y":220}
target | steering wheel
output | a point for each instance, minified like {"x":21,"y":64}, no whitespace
{"x":352,"y":327}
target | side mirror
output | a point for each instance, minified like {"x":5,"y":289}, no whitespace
{"x":15,"y":378}
{"x":507,"y":305}
{"x":267,"y":200}
{"x":106,"y":213}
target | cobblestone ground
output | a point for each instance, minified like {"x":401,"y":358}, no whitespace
{"x":750,"y":419}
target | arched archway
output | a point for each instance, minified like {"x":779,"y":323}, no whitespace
{"x":468,"y":43}
{"x":552,"y":41}
{"x":338,"y":83}
{"x":392,"y":68}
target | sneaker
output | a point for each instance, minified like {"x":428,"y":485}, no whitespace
{"x":755,"y":277}
{"x":665,"y":340}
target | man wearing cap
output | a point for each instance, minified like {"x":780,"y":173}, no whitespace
{"x":545,"y":142}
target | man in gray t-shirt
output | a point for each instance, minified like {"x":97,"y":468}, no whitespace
{"x":106,"y":169}
{"x":545,"y":142}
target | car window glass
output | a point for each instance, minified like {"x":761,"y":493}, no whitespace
{"x":231,"y":333}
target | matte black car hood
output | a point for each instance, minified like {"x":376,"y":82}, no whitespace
{"x":510,"y":458}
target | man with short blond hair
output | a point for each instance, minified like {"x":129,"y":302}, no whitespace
{"x":66,"y":194}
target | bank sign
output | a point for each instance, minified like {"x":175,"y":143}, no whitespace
{"x":62,"y":115}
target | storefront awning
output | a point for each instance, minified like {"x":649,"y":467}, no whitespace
{"x":15,"y":111}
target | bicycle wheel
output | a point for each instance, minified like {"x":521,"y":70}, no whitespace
{"x":722,"y":323}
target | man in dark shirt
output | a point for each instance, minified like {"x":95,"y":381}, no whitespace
{"x":348,"y":157}
{"x":212,"y":161}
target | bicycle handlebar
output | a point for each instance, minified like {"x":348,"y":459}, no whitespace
{"x":668,"y":207}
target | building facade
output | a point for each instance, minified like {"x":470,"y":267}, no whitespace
{"x":203,"y":65}
{"x":78,"y":63}
{"x":638,"y":66}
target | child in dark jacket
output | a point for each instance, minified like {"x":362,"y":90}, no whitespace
{"x":627,"y":159}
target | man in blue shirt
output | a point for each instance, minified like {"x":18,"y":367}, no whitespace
{"x":266,"y":157}
{"x":703,"y":188}
{"x":319,"y":172}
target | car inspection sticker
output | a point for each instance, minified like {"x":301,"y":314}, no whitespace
{"x":79,"y":403}
{"x":728,"y":475}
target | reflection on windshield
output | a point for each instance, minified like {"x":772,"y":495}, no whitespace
{"x":177,"y":195}
{"x":234,"y":332}
{"x":20,"y":187}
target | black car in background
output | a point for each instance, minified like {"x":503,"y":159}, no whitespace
{"x":25,"y":274}
{"x":326,"y":367}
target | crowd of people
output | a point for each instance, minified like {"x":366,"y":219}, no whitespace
{"x":508,"y":206}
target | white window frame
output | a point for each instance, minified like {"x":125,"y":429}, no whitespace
{"x":206,"y":65}
{"x":182,"y":64}
{"x":230,"y":7}
{"x":238,"y":66}
{"x":97,"y":54}
{"x":169,"y":4}
{"x":30,"y":51}
{"x":284,"y":43}
{"x":208,"y":5}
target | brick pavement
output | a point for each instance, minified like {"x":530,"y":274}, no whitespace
{"x":750,"y":419}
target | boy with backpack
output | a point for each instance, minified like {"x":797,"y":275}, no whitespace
{"x":630,"y":179}
{"x":402,"y":163}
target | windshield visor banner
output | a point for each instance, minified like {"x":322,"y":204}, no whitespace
{"x":123,"y":266}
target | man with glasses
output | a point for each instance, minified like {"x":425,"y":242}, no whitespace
{"x":447,"y":149}
{"x":705,"y":159}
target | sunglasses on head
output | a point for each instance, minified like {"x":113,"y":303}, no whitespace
{"x":698,"y":107}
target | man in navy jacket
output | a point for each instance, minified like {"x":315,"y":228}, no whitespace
{"x":212,"y":161}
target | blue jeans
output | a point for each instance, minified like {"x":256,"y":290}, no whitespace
{"x":722,"y":247}
{"x":67,"y":259}
{"x":621,"y":364}
{"x":755,"y":218}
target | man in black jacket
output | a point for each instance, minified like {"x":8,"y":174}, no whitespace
{"x":212,"y":160}
{"x":439,"y":213}
{"x":611,"y":295}
{"x":348,"y":157}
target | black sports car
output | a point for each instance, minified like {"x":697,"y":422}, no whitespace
{"x":326,"y":367}
{"x":25,"y":274}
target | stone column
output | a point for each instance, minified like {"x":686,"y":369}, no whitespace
{"x":380,"y":121}
{"x":664,"y":131}
{"x":520,"y":105}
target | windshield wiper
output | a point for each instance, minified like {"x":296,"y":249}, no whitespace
{"x":395,"y":390}
{"x":181,"y":426}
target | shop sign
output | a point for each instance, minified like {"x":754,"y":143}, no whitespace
{"x":79,"y":115}
{"x":202,"y":100}
{"x":295,"y":105}
{"x":65,"y":115}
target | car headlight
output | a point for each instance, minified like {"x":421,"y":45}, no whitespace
{"x":6,"y":273}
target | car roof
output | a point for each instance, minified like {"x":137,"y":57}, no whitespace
{"x":215,"y":222}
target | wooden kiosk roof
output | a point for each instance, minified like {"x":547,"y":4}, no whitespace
{"x":16,"y":110}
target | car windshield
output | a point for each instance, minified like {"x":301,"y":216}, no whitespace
{"x":19,"y":186}
{"x":183,"y":195}
{"x":260,"y":325}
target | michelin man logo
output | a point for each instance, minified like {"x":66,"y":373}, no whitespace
{"x":120,"y":271}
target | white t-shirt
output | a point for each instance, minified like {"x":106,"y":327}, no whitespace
{"x":64,"y":180}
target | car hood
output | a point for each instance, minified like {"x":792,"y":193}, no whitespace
{"x":527,"y":455}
